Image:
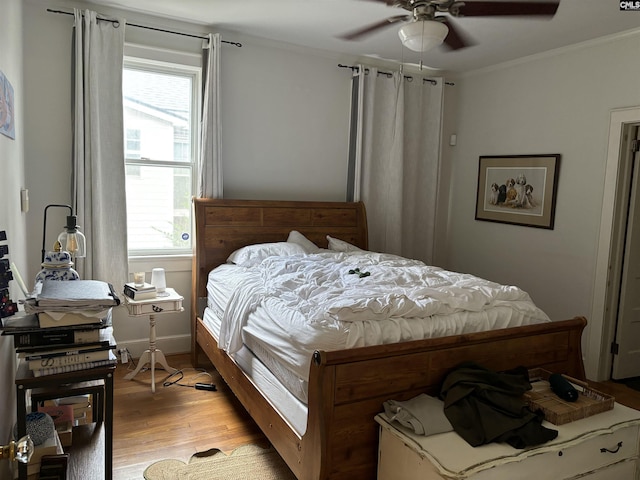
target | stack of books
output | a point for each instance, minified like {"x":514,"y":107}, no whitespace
{"x":140,"y":292}
{"x":63,"y":419}
{"x":48,"y":351}
{"x":68,"y":412}
{"x":66,"y":327}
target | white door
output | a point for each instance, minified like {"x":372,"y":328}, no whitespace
{"x":626,"y":363}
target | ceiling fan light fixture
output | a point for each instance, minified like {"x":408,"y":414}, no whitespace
{"x":423,"y":35}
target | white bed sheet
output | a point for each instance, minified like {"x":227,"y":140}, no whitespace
{"x":220,"y":286}
{"x":289,"y":407}
{"x":278,"y":328}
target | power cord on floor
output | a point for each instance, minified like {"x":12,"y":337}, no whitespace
{"x":176,"y":377}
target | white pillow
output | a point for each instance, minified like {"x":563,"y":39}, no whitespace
{"x":254,"y":254}
{"x":341,"y":246}
{"x":299,"y":239}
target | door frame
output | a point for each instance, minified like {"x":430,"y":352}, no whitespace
{"x":602,"y":324}
{"x":627,"y":185}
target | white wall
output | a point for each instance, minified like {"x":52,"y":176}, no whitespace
{"x":285,"y":117}
{"x":285,"y":131}
{"x":12,"y":220}
{"x":554,"y":103}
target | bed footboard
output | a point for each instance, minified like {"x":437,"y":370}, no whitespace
{"x":347,"y":388}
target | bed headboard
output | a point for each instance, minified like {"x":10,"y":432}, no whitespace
{"x":223,"y":226}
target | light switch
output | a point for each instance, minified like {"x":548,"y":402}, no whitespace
{"x":24,"y":200}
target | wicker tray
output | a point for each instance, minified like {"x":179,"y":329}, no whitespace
{"x":558,"y":411}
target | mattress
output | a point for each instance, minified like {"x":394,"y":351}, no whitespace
{"x":274,"y":315}
{"x":291,"y":408}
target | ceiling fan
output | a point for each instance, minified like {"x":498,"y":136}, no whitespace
{"x":424,"y":28}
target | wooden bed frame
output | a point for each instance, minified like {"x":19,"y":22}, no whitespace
{"x":347,"y":387}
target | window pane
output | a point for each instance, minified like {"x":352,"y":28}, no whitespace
{"x":160,"y":101}
{"x":157,"y":110}
{"x":133,"y":143}
{"x":158,"y":208}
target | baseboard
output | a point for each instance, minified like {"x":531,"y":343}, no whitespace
{"x":169,"y":345}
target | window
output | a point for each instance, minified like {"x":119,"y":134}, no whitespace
{"x":160,"y":111}
{"x":132,"y":143}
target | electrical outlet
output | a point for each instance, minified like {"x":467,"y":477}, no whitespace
{"x":124,"y":355}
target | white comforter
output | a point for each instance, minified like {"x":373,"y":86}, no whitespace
{"x":357,"y":290}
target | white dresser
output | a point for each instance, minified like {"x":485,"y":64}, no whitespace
{"x":600,"y":447}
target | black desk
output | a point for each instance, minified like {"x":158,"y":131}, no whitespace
{"x":97,"y":381}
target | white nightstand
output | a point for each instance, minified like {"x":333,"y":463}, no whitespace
{"x":603,"y":446}
{"x":155,"y":306}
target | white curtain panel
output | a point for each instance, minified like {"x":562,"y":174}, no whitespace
{"x":210,"y":162}
{"x":400,"y":131}
{"x":98,"y":156}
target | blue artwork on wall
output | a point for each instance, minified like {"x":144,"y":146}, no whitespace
{"x":7,"y":125}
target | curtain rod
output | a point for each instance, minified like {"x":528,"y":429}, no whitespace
{"x":389,"y":74}
{"x":237,"y":44}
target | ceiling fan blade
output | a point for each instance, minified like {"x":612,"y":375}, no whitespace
{"x":360,"y":33}
{"x":455,"y":39}
{"x":395,"y":3}
{"x":481,"y":9}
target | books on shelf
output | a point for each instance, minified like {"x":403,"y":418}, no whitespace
{"x":77,"y":410}
{"x":28,"y":336}
{"x":68,"y":360}
{"x":59,"y":413}
{"x":108,"y":343}
{"x":40,"y":372}
{"x":62,"y":338}
{"x":48,"y":319}
{"x":142,"y":292}
{"x":145,"y":287}
{"x":30,"y":340}
{"x":23,"y":322}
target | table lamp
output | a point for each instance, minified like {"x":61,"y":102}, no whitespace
{"x":70,"y":239}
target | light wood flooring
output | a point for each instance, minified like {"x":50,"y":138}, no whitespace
{"x":176,"y":421}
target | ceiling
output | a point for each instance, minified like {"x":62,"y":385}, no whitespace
{"x":318,"y":23}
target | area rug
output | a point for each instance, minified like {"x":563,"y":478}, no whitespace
{"x":248,"y":462}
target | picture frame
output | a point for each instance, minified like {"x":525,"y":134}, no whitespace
{"x":518,"y":189}
{"x":7,"y":124}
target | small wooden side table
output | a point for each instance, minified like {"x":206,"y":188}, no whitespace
{"x":155,"y":306}
{"x":94,"y":380}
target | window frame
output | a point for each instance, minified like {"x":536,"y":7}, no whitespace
{"x":137,"y":58}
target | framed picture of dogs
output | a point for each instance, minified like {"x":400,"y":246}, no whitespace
{"x":518,"y":189}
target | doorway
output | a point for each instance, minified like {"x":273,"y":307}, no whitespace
{"x":600,"y":342}
{"x":624,"y":288}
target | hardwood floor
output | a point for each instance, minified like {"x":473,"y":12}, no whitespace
{"x":176,"y":421}
{"x":623,"y":394}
